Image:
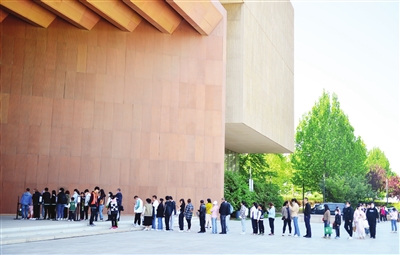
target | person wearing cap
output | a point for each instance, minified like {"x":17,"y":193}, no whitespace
{"x":214,"y":215}
{"x":202,"y":217}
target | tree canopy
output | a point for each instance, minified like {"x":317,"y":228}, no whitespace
{"x":325,"y":146}
{"x":376,"y":157}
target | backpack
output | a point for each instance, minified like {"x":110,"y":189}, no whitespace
{"x":230,"y":208}
{"x":63,"y":199}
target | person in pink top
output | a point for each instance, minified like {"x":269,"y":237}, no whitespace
{"x":214,"y":216}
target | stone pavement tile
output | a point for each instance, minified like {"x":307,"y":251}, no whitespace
{"x":154,"y":242}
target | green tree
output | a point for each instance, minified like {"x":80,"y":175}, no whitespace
{"x":376,"y":157}
{"x":257,"y":164}
{"x":325,"y":146}
{"x":282,"y":167}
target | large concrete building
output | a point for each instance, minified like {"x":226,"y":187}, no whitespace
{"x":142,"y":95}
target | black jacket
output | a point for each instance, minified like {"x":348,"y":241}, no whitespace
{"x":337,"y":220}
{"x":202,"y":211}
{"x":168,"y":208}
{"x":372,"y":214}
{"x":224,"y":209}
{"x":160,"y":210}
{"x":36,"y":198}
{"x":46,"y":198}
{"x":348,"y":213}
{"x":307,"y":210}
{"x":61,"y":198}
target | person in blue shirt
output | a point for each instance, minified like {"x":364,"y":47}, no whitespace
{"x":25,"y":201}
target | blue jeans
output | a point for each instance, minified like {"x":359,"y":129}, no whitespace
{"x":394,"y":225}
{"x":296,"y":226}
{"x":60,"y":211}
{"x":214,"y":225}
{"x":223,"y":224}
{"x":243,"y":225}
{"x":24,"y":211}
{"x":101,"y":211}
{"x":153,"y":223}
{"x":159,"y":226}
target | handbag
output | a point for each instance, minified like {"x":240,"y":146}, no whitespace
{"x":283,"y":218}
{"x":328,"y":230}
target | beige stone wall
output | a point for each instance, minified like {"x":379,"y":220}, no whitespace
{"x":260,"y":91}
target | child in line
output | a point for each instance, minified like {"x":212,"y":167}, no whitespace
{"x":336,"y":223}
{"x":261,"y":219}
{"x":72,"y":208}
{"x":113,"y":205}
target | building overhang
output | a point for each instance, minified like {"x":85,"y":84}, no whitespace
{"x":241,"y":138}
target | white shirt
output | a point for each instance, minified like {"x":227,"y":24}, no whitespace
{"x":155,"y":204}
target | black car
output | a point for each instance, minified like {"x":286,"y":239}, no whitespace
{"x":319,"y":208}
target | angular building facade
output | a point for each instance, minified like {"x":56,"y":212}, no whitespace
{"x":140,"y":95}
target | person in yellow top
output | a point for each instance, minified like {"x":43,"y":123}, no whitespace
{"x":208,"y":213}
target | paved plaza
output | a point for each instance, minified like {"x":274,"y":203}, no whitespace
{"x":77,"y":238}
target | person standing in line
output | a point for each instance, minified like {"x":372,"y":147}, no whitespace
{"x":138,"y":209}
{"x":189,"y":213}
{"x":359,"y":217}
{"x":155,"y":206}
{"x":327,"y":221}
{"x":181,"y":214}
{"x":65,"y":209}
{"x":94,"y":205}
{"x":307,"y":218}
{"x":202,"y":217}
{"x":393,"y":220}
{"x":271,"y":218}
{"x":82,"y":207}
{"x":287,"y":220}
{"x":36,"y":200}
{"x":224,"y":210}
{"x":113,"y":206}
{"x":244,"y":211}
{"x":260,"y":219}
{"x":336,"y":223}
{"x":72,"y":208}
{"x":294,"y":212}
{"x":119,"y":196}
{"x":214,"y":216}
{"x":25,"y":201}
{"x":87,"y":198}
{"x":348,"y":214}
{"x":61,"y":202}
{"x":171,"y":219}
{"x":46,"y":203}
{"x":102,"y":198}
{"x":160,"y":214}
{"x":254,"y":218}
{"x":366,"y":226}
{"x":77,"y":199}
{"x":168,"y":209}
{"x":228,"y":217}
{"x":148,"y":214}
{"x":209,"y":205}
{"x":372,"y":216}
{"x":53,"y":205}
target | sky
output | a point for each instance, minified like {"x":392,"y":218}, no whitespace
{"x":351,"y":49}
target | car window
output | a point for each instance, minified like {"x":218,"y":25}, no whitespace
{"x":320,"y":207}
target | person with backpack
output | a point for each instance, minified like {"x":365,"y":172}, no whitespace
{"x":244,"y":212}
{"x":61,"y":202}
{"x":93,"y":204}
{"x":336,"y":223}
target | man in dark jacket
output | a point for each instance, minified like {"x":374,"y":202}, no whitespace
{"x":168,"y":209}
{"x":36,"y":203}
{"x":61,"y":202}
{"x":202,"y":217}
{"x":307,"y":217}
{"x":46,"y":203}
{"x":372,"y":216}
{"x":224,"y":210}
{"x":348,"y":214}
{"x":119,"y":201}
